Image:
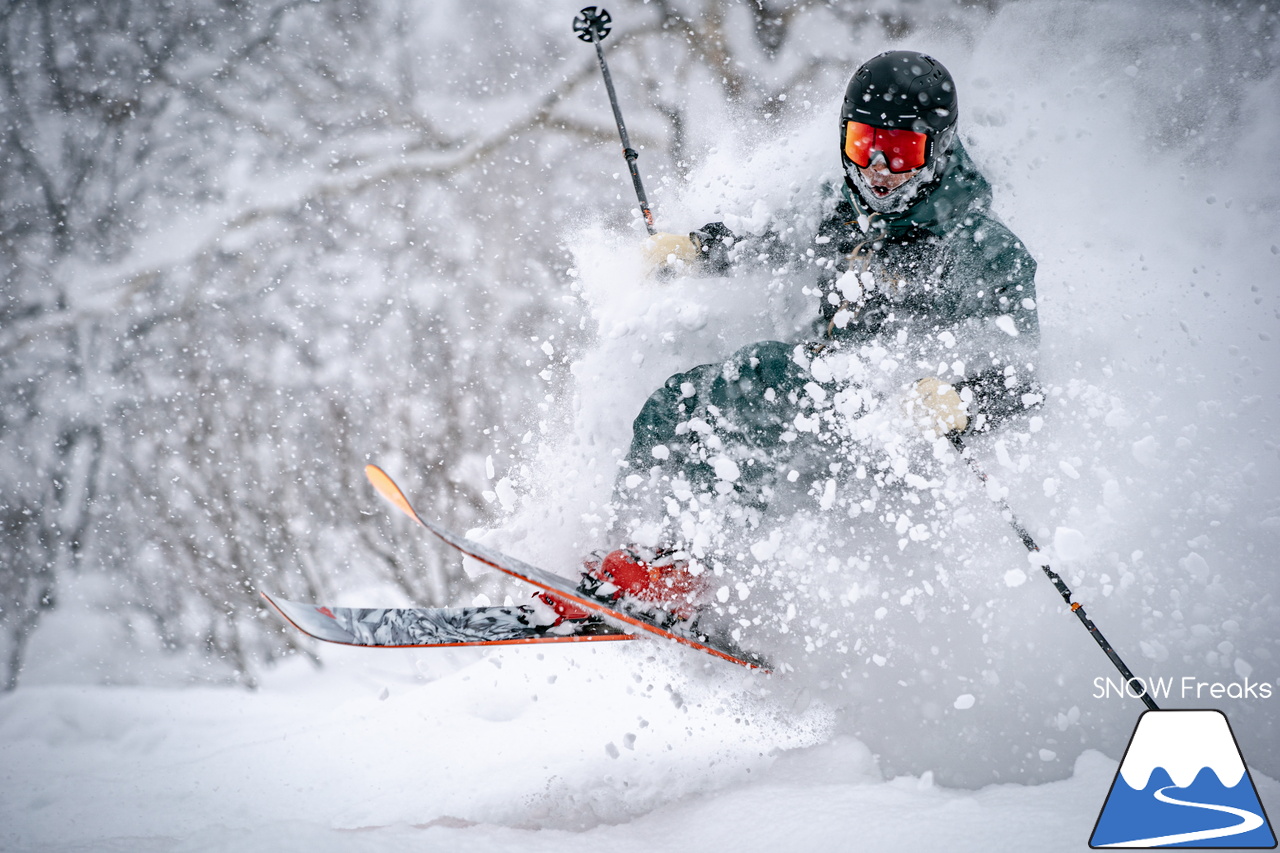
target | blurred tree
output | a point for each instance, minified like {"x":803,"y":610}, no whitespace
{"x":250,"y":244}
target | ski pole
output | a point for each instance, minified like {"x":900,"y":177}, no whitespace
{"x":592,"y":25}
{"x":1077,"y":608}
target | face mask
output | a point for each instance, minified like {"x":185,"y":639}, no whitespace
{"x":900,"y":199}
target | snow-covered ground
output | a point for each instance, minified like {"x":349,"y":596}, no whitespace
{"x":1151,"y":479}
{"x":617,"y":746}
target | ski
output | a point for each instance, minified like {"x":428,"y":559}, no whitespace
{"x":649,"y":621}
{"x":426,"y":627}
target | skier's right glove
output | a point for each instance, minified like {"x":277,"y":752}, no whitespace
{"x":705,"y":250}
{"x":937,"y":406}
{"x":669,"y":252}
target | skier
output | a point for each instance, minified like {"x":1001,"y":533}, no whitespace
{"x":911,"y":257}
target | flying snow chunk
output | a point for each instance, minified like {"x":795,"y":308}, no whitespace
{"x":692,"y":317}
{"x":828,"y":498}
{"x":726,"y":469}
{"x":1153,"y":650}
{"x":473,"y":568}
{"x":1015,"y":577}
{"x":506,"y":493}
{"x":1005,"y":324}
{"x":766,"y":548}
{"x":1070,"y":543}
{"x":1196,"y":566}
{"x":849,"y":286}
{"x":821,"y":371}
{"x":964,"y":701}
{"x":1147,"y":451}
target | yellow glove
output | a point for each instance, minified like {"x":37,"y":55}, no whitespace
{"x":662,"y":250}
{"x":938,"y":406}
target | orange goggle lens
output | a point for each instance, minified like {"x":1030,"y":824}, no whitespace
{"x":904,"y":150}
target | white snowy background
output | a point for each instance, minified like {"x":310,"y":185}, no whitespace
{"x":1132,"y":148}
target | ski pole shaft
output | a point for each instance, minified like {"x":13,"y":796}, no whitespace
{"x":593,"y":25}
{"x":1077,"y":608}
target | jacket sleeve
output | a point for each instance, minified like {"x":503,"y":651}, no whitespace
{"x":993,"y":279}
{"x":780,"y":246}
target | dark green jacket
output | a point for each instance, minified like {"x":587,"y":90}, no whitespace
{"x":946,"y":262}
{"x":959,"y":267}
{"x":945,"y":273}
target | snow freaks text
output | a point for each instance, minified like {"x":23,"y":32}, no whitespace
{"x":1187,"y":687}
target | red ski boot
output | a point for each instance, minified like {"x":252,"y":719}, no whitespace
{"x":647,"y":579}
{"x":643,"y":579}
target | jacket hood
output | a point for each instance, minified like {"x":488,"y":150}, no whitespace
{"x":959,"y":190}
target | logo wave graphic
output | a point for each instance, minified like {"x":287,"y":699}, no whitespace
{"x":1182,"y":782}
{"x":1248,"y":822}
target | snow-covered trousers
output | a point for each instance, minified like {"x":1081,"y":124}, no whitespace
{"x":719,"y":435}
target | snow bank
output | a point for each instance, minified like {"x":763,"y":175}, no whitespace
{"x":617,"y":748}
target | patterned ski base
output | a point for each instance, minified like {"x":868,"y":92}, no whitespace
{"x":654,"y":623}
{"x":426,"y":627}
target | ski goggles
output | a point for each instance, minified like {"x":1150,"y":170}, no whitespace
{"x":904,"y":150}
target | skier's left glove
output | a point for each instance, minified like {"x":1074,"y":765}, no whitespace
{"x":937,"y":406}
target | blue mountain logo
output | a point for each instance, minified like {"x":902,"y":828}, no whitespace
{"x":1183,"y":783}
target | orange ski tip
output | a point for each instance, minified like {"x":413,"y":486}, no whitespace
{"x":389,"y":490}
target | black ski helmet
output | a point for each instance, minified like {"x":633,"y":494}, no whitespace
{"x":902,"y":90}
